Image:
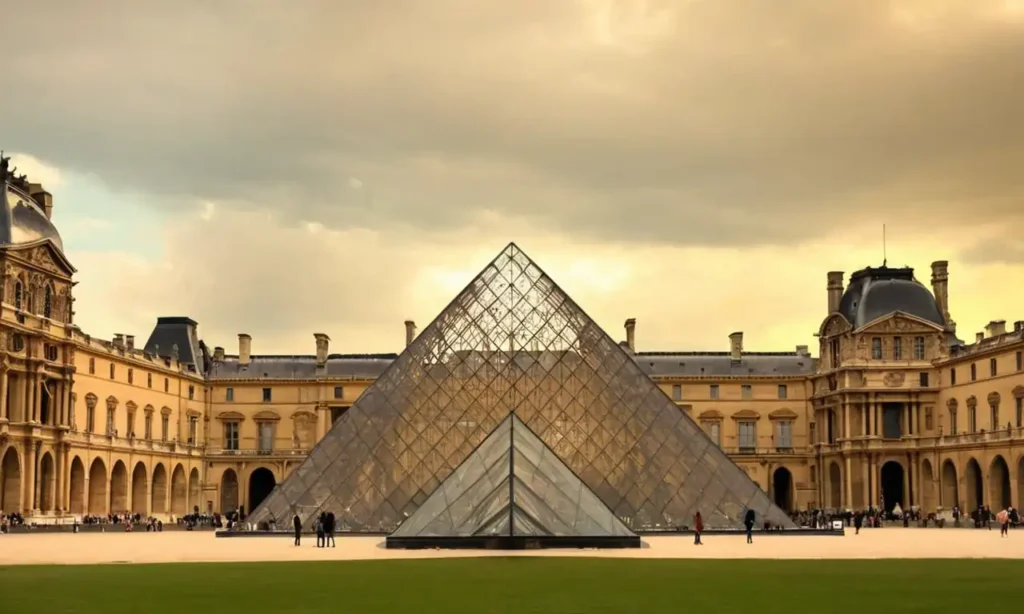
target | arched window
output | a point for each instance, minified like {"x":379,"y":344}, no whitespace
{"x":19,"y":291}
{"x":47,"y":301}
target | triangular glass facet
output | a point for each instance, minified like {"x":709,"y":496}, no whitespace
{"x":512,"y":484}
{"x":513,"y":340}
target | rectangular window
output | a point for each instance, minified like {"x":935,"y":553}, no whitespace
{"x":918,"y":348}
{"x":339,"y":392}
{"x":747,"y":391}
{"x":784,"y":434}
{"x":92,"y":366}
{"x":90,"y":420}
{"x":974,"y":372}
{"x":149,"y":426}
{"x":897,"y":348}
{"x":993,"y":412}
{"x":952,"y":376}
{"x":191,"y":393}
{"x":167,"y":385}
{"x":229,"y":394}
{"x":813,"y":430}
{"x":131,"y":423}
{"x":111,"y":370}
{"x":972,"y":420}
{"x":748,"y":436}
{"x":713,"y":390}
{"x":131,"y":376}
{"x":1020,"y":361}
{"x":993,"y":367}
{"x":783,"y":391}
{"x":149,"y":380}
{"x":876,"y":348}
{"x":714,"y":431}
{"x":1020,"y":412}
{"x":266,"y":395}
{"x":193,"y":430}
{"x":230,"y":435}
{"x":266,"y":441}
{"x":952,"y":422}
{"x":929,"y":419}
{"x":165,"y":427}
{"x":677,"y":392}
{"x":110,"y":421}
{"x":924,"y":380}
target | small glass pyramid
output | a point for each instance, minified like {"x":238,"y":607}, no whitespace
{"x":512,"y":485}
{"x":513,"y":339}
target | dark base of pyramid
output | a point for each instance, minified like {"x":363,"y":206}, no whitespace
{"x":513,"y":542}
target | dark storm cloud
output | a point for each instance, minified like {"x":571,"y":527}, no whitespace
{"x":703,"y":122}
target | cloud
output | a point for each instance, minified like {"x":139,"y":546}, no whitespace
{"x":648,"y":122}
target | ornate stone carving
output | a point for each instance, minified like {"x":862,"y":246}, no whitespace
{"x":952,"y":404}
{"x":1018,"y":392}
{"x":90,"y":400}
{"x":856,"y":379}
{"x":993,"y":398}
{"x":894,"y":379}
{"x":972,"y":402}
{"x":112,"y":402}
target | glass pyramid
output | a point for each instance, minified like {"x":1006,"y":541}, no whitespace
{"x":513,"y":340}
{"x":512,"y":484}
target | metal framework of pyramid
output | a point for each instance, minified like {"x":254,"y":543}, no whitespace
{"x":513,"y":341}
{"x":512,"y":492}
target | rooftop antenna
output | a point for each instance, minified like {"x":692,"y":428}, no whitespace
{"x":885,"y":257}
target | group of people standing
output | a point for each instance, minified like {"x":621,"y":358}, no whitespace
{"x":749,"y":518}
{"x":324,"y":525}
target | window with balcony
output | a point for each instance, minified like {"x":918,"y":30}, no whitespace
{"x":165,"y":427}
{"x":952,"y":376}
{"x":231,"y":436}
{"x":131,"y":423}
{"x":897,"y":348}
{"x":876,"y":348}
{"x":713,"y":392}
{"x":993,"y":367}
{"x":746,"y":391}
{"x":677,"y":392}
{"x":193,"y":430}
{"x":972,"y":419}
{"x":783,"y":391}
{"x":266,"y":437}
{"x":229,"y":394}
{"x":149,"y":426}
{"x":266,"y":395}
{"x":339,"y":392}
{"x":784,"y":435}
{"x":747,"y":435}
{"x":993,"y":411}
{"x":110,"y":421}
{"x":974,"y":372}
{"x":952,"y":419}
{"x":918,"y":348}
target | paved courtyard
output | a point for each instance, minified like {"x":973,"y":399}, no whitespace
{"x":181,"y":546}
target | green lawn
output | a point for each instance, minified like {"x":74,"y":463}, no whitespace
{"x":520,"y":585}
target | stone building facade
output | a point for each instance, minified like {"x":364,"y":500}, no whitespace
{"x":896,"y":409}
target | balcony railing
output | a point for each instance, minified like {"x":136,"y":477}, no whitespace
{"x":752,"y":451}
{"x":277,"y":452}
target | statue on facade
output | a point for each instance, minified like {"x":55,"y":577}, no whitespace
{"x":5,"y":165}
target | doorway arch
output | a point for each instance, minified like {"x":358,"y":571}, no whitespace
{"x":194,"y":489}
{"x":782,"y":489}
{"x":892,"y":482}
{"x":927,"y":486}
{"x":119,"y":489}
{"x":950,"y":485}
{"x":974,"y":484}
{"x":46,"y":483}
{"x":228,"y":491}
{"x":179,"y":491}
{"x":140,"y":484}
{"x":77,"y":503}
{"x":159,"y":504}
{"x":98,"y":488}
{"x":999,"y":484}
{"x":10,"y":481}
{"x":261,"y":484}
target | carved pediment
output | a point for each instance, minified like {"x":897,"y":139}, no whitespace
{"x":267,"y":416}
{"x":148,"y":409}
{"x":193,"y":413}
{"x":835,"y":324}
{"x":112,"y":402}
{"x":131,"y":406}
{"x":972,"y":401}
{"x":165,"y":411}
{"x":231,"y":416}
{"x":900,"y":323}
{"x":47,"y":258}
{"x":993,"y":398}
{"x":1018,"y":392}
{"x":952,"y":404}
{"x":746,"y":414}
{"x":710,"y":414}
{"x":783,"y":414}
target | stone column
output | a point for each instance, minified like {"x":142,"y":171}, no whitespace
{"x":848,"y":486}
{"x":846,"y":420}
{"x":58,"y":470}
{"x":29,"y":502}
{"x":5,"y":411}
{"x":915,"y":480}
{"x":907,"y":428}
{"x":32,"y":379}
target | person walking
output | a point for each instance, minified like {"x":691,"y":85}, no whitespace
{"x":748,"y":522}
{"x":329,"y":530}
{"x":1004,"y":523}
{"x":319,"y":526}
{"x":698,"y":528}
{"x":297,"y":525}
{"x":858,"y":521}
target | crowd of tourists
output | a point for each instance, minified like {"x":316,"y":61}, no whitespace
{"x":7,"y":521}
{"x":982,"y":517}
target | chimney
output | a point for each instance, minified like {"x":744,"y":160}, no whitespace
{"x":43,"y":198}
{"x":323,"y":342}
{"x":118,"y":340}
{"x":803,"y":350}
{"x":244,"y":348}
{"x":995,"y":328}
{"x":129,"y":341}
{"x":1018,"y":326}
{"x":835,"y":290}
{"x":979,"y":337}
{"x":410,"y":332}
{"x":218,"y":354}
{"x":631,"y":334}
{"x":940,"y":287}
{"x":736,"y":346}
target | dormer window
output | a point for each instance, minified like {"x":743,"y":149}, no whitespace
{"x":876,"y":348}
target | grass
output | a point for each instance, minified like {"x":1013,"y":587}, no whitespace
{"x":520,"y":585}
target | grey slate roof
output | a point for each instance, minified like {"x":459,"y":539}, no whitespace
{"x":301,"y":367}
{"x":877,"y":292}
{"x":711,"y":364}
{"x":180,"y":331}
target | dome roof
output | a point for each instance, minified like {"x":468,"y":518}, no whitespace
{"x":23,"y":222}
{"x":874,"y":293}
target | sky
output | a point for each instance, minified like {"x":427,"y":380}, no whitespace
{"x":281,"y":169}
